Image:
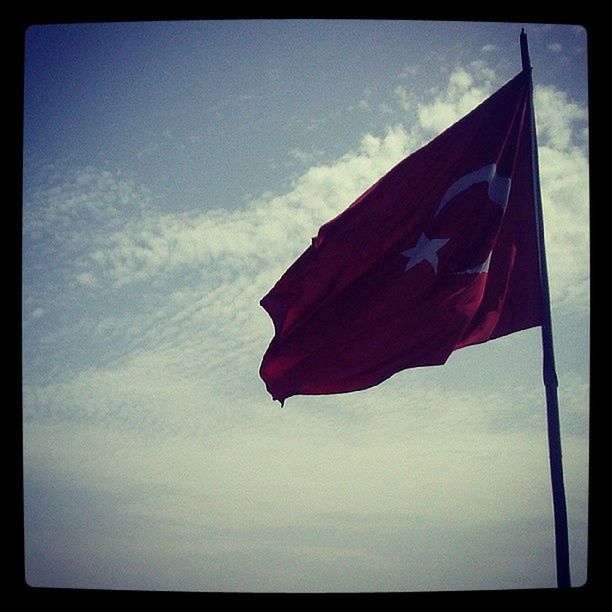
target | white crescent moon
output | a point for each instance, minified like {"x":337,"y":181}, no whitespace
{"x":498,"y":192}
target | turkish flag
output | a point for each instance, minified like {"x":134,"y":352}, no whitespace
{"x":439,"y":254}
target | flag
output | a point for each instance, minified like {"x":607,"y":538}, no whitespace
{"x":439,"y":254}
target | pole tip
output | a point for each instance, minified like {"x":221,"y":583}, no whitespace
{"x":525,"y":60}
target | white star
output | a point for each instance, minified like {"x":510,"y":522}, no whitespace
{"x":425,"y":250}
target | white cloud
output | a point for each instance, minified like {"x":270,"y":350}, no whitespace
{"x":565,"y":196}
{"x":76,"y":205}
{"x":556,"y":117}
{"x":483,"y":71}
{"x":460,"y":80}
{"x":269,"y":229}
{"x":464,"y":92}
{"x":564,"y":173}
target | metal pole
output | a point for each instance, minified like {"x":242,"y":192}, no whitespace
{"x":548,"y":363}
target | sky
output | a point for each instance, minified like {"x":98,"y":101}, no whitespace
{"x":171,"y":172}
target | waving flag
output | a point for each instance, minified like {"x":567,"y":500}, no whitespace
{"x":439,"y":254}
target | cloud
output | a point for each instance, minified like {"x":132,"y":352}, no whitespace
{"x":150,"y":243}
{"x":465,"y":90}
{"x":557,"y":118}
{"x":70,"y":198}
{"x":69,"y":210}
{"x":564,"y":173}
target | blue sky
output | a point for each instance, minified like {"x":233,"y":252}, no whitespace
{"x":172,"y":172}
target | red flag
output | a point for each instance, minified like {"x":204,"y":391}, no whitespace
{"x":439,"y":254}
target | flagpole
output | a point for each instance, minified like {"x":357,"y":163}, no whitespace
{"x":548,"y":361}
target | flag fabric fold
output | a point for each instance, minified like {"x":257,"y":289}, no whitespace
{"x":439,"y":254}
